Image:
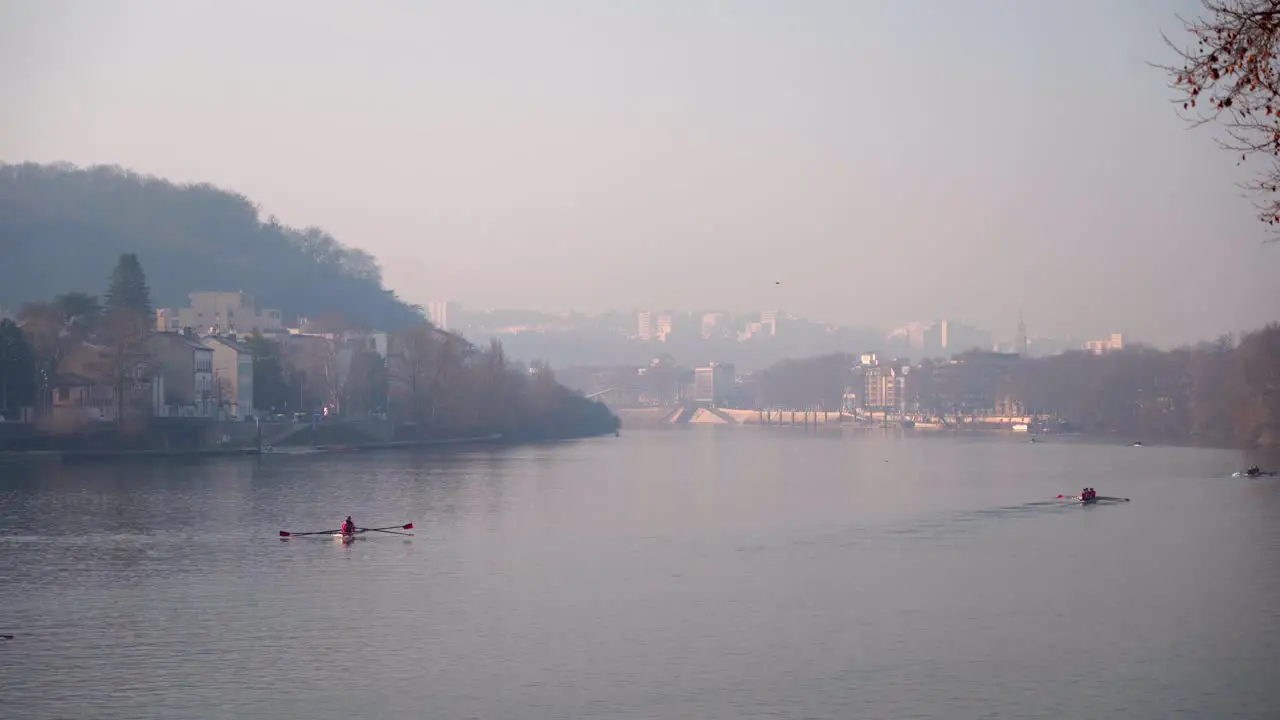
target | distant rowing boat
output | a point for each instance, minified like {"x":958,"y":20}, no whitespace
{"x":346,"y":538}
{"x":1093,"y":500}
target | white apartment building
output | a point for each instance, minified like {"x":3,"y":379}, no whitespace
{"x":222,"y":312}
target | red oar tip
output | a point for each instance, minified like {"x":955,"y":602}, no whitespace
{"x":409,"y":526}
{"x":284,"y":534}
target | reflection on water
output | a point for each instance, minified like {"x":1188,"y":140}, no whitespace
{"x":711,"y":573}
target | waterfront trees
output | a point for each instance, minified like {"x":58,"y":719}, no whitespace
{"x":126,"y":364}
{"x":1225,"y":392}
{"x":1220,"y":392}
{"x":1259,"y":357}
{"x":270,"y":390}
{"x":78,"y":310}
{"x":816,"y":382}
{"x":415,"y":357}
{"x":364,"y":391}
{"x":127,"y":320}
{"x":17,"y":369}
{"x":441,"y":385}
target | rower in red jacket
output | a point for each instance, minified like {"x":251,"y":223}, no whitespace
{"x":348,"y":527}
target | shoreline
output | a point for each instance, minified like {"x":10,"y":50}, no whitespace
{"x":658,"y":419}
{"x":285,"y":451}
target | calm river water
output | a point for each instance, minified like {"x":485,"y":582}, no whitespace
{"x":699,"y":573}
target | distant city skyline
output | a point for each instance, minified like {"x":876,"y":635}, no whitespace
{"x":949,"y":334}
{"x":1018,"y":335}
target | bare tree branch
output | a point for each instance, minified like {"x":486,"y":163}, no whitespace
{"x":1230,"y":76}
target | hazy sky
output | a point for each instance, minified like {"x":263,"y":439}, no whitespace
{"x":887,"y":161}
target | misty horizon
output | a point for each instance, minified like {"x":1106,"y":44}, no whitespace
{"x":884,"y":164}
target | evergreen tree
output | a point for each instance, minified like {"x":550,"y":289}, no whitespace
{"x":127,"y":322}
{"x":17,"y":368}
{"x":129,"y":289}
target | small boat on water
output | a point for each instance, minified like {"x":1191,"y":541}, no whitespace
{"x":1093,"y":500}
{"x":346,"y":538}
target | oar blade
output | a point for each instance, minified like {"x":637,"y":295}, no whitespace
{"x":407,"y":526}
{"x":285,"y":534}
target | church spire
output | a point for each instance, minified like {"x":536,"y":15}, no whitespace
{"x":1020,"y":339}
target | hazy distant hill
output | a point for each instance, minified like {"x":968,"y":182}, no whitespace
{"x":62,"y":229}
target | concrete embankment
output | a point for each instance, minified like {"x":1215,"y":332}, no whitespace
{"x":662,"y":417}
{"x":93,"y":455}
{"x":780,"y":417}
{"x":388,"y":445}
{"x":645,"y":417}
{"x":707,"y":416}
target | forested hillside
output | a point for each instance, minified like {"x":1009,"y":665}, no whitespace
{"x":62,"y":228}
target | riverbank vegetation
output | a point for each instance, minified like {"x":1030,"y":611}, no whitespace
{"x":1225,"y":392}
{"x":423,"y":382}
